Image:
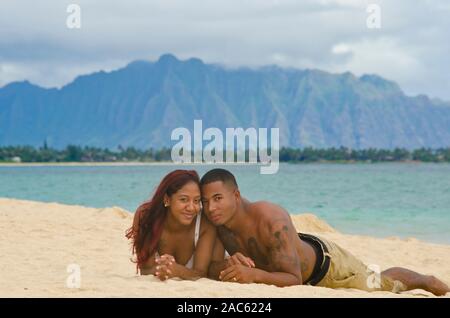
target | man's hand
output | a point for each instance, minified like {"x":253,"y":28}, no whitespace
{"x":240,"y":259}
{"x":166,"y":267}
{"x":238,"y":274}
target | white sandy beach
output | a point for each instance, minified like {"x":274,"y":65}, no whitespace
{"x":39,"y":241}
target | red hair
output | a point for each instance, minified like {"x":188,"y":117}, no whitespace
{"x":150,"y":215}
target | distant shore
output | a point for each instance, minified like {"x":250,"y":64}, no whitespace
{"x":74,"y":164}
{"x":170,"y":163}
{"x":29,"y":154}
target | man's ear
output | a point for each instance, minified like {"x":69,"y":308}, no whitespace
{"x":237,"y":194}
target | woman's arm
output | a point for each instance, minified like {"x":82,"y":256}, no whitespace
{"x":218,"y":261}
{"x":205,"y":245}
{"x":149,"y":268}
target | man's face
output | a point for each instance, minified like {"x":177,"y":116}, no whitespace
{"x":219,"y":202}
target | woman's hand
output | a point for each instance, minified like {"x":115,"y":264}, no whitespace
{"x":166,"y":267}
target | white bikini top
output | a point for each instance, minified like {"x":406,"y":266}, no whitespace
{"x":190,"y":263}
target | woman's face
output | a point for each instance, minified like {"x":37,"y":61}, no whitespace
{"x":184,"y":204}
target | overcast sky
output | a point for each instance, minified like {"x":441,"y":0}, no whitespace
{"x":412,"y":47}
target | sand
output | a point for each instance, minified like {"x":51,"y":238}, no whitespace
{"x":40,"y":241}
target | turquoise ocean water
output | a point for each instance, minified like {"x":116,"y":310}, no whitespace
{"x":405,"y":200}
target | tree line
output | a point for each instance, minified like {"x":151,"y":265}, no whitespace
{"x":73,"y":153}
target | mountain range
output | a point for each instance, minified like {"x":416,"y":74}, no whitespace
{"x":140,"y":104}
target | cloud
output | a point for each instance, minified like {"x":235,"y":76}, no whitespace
{"x":411,"y":47}
{"x":341,"y":48}
{"x":380,"y":56}
{"x":51,"y":73}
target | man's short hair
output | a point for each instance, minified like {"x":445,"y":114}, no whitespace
{"x":219,"y":175}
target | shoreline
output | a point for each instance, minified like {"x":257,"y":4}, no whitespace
{"x":399,"y":238}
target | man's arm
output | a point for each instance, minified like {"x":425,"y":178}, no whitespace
{"x":278,"y":238}
{"x":279,"y":279}
{"x":283,"y":256}
{"x":275,"y":248}
{"x":245,"y":275}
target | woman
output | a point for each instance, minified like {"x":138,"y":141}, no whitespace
{"x":171,"y":238}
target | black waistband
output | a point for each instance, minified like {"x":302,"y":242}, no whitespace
{"x":322,"y":258}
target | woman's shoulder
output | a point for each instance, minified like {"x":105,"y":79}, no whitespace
{"x":206,"y":225}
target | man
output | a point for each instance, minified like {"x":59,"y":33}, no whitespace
{"x":266,"y":248}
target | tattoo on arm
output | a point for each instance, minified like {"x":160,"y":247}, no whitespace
{"x":283,"y":254}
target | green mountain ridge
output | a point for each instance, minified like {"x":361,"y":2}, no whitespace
{"x":139,"y":105}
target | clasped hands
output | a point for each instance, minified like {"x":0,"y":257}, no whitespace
{"x":239,"y":268}
{"x":166,"y":267}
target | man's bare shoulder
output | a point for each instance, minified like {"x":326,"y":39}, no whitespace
{"x":270,"y":215}
{"x":268,"y":210}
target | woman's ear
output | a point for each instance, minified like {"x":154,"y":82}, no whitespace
{"x":166,"y":200}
